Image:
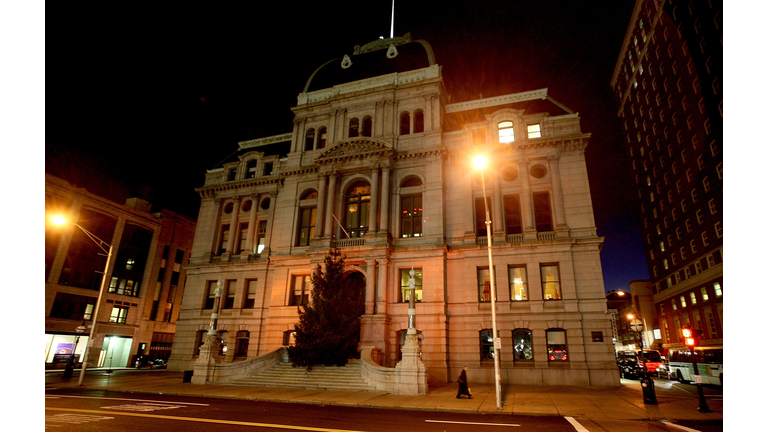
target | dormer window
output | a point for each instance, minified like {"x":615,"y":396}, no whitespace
{"x":534,"y":131}
{"x":250,"y":172}
{"x":506,"y":132}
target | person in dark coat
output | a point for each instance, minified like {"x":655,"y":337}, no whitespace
{"x":463,"y":386}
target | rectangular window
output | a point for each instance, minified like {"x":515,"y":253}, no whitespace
{"x":229,"y":294}
{"x":307,"y":218}
{"x":411,"y":216}
{"x":719,"y":229}
{"x":704,"y":294}
{"x":268,"y":168}
{"x":718,"y":290}
{"x":534,"y":131}
{"x":261,"y":236}
{"x":210,"y":298}
{"x":518,"y":283}
{"x":405,"y":287}
{"x":693,"y":298}
{"x":250,"y":297}
{"x":300,"y":290}
{"x":480,"y":227}
{"x":512,"y":215}
{"x":557,"y":350}
{"x":241,"y":238}
{"x":484,"y":284}
{"x":118,"y":315}
{"x":550,"y":281}
{"x":542,"y":211}
{"x":224,"y":239}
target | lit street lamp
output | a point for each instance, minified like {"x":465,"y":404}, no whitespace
{"x":60,"y":220}
{"x":480,"y":163}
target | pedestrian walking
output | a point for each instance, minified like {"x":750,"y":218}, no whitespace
{"x":463,"y":386}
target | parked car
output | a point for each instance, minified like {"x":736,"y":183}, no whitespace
{"x":630,"y":369}
{"x":158,"y":364}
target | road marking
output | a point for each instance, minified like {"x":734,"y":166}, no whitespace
{"x":143,"y":407}
{"x":687,"y":429}
{"x":576,"y":425}
{"x":204,"y":420}
{"x":74,"y":418}
{"x":470,"y":423}
{"x":127,"y":399}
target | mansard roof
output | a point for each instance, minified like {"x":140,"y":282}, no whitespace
{"x":380,"y":57}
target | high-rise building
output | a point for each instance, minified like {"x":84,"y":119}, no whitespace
{"x":379,"y":164}
{"x":669,"y":84}
{"x":144,"y":284}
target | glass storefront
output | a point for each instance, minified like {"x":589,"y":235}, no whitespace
{"x":115,"y":352}
{"x":58,"y":347}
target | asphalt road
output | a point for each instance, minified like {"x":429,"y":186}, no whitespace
{"x":91,"y":411}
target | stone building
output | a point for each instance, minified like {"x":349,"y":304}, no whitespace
{"x":379,"y":164}
{"x":669,"y":85}
{"x":145,"y":279}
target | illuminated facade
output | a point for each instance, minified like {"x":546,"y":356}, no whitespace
{"x":140,"y":305}
{"x":668,"y":81}
{"x":378,"y":164}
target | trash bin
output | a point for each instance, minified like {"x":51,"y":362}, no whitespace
{"x":649,"y":391}
{"x":188,"y":376}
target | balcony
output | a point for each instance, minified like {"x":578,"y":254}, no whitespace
{"x":359,"y":241}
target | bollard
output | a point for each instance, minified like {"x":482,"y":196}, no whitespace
{"x":649,"y":390}
{"x":187,"y":376}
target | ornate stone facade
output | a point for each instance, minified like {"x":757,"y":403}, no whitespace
{"x":382,"y":169}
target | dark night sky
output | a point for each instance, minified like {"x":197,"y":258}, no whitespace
{"x":140,"y":102}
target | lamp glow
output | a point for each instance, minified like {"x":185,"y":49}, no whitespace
{"x":58,"y":220}
{"x":479,"y":162}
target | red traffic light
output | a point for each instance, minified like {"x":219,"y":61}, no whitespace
{"x":689,"y":337}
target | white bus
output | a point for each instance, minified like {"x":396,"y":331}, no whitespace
{"x":709,"y":362}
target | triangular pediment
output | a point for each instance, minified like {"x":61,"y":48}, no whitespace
{"x":355,"y":148}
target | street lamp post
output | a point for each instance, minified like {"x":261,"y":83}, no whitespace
{"x":59,"y":220}
{"x":480,"y":163}
{"x":649,"y":391}
{"x":71,"y":363}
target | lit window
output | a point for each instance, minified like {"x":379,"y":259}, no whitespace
{"x":704,"y":295}
{"x":405,"y":288}
{"x":534,"y":131}
{"x":550,"y":281}
{"x":484,"y":284}
{"x":518,"y":283}
{"x":411,"y":216}
{"x":682,"y":302}
{"x":506,"y":132}
{"x":522,"y":342}
{"x":718,"y":290}
{"x":118,"y":315}
{"x":674,"y":305}
{"x":301,"y":286}
{"x":557,"y":349}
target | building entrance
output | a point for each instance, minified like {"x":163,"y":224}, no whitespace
{"x":115,"y":352}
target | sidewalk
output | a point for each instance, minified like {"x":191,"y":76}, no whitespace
{"x":624,"y":402}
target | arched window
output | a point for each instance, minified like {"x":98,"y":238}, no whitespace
{"x":506,"y":132}
{"x":354,"y":128}
{"x":418,"y":121}
{"x":322,"y":136}
{"x":357,"y":205}
{"x":405,"y":123}
{"x":367,"y":126}
{"x":557,"y":349}
{"x":486,"y":345}
{"x":307,"y":218}
{"x":309,"y":140}
{"x":522,"y":345}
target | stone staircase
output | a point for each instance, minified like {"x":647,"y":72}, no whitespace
{"x":347,"y":378}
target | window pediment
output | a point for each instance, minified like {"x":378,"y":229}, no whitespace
{"x":355,"y":148}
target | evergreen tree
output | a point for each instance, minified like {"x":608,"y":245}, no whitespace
{"x":328,"y":331}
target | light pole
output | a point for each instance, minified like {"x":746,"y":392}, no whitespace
{"x":71,"y":363}
{"x":480,"y":163}
{"x":59,"y":220}
{"x":649,"y":391}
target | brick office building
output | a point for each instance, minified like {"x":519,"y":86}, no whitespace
{"x":668,"y":81}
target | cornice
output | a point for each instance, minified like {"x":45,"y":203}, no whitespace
{"x":211,"y":191}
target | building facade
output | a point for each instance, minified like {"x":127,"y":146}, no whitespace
{"x":379,"y":164}
{"x":145,"y":280}
{"x":668,"y":81}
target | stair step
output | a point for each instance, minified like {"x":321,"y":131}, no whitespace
{"x":283,"y":375}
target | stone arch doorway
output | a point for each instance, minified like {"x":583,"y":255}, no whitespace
{"x":355,"y":297}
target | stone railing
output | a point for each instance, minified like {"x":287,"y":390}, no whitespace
{"x":547,"y":235}
{"x":383,"y":378}
{"x":360,"y":241}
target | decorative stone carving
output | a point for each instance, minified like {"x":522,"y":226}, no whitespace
{"x":356,"y":148}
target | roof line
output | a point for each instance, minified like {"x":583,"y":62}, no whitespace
{"x":498,"y":100}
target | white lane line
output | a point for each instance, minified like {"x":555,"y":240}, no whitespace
{"x":470,"y":423}
{"x":127,"y":399}
{"x":687,"y":429}
{"x":576,"y":425}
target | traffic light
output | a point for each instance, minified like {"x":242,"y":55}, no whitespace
{"x":689,"y":337}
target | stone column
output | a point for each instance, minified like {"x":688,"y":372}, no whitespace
{"x":372,"y":215}
{"x":270,"y":222}
{"x":330,"y":201}
{"x":385,"y":199}
{"x":557,"y":191}
{"x":252,"y":223}
{"x":320,"y":214}
{"x":526,"y":204}
{"x":233,"y":228}
{"x":370,"y":287}
{"x":498,"y":222}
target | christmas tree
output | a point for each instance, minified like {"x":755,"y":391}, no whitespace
{"x":328,"y":331}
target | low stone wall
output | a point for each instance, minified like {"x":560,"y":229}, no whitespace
{"x":402,"y":379}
